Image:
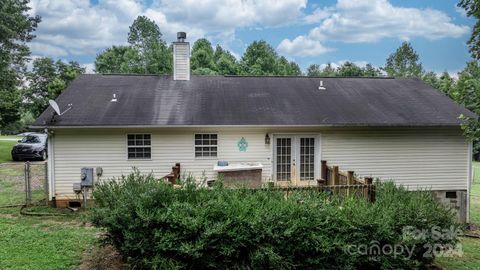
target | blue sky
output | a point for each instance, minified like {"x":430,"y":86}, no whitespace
{"x":308,"y":32}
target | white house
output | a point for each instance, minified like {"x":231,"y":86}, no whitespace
{"x":393,"y":129}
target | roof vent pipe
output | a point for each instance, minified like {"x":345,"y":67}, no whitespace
{"x":321,"y":87}
{"x":181,"y":58}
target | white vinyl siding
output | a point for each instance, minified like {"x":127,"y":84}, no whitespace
{"x":435,"y":158}
{"x":430,"y":158}
{"x":75,"y":149}
{"x":181,"y":61}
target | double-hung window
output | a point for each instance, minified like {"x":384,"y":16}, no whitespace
{"x":206,"y":145}
{"x":139,"y":146}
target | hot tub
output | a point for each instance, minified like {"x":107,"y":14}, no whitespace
{"x":240,"y":174}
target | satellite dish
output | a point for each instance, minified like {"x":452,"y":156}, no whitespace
{"x":56,"y":108}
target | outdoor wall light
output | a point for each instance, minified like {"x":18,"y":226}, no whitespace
{"x":267,"y":139}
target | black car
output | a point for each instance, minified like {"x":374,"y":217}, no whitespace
{"x":32,"y":146}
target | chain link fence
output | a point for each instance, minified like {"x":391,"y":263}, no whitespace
{"x":23,"y":183}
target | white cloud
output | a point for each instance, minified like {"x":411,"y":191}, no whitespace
{"x":364,"y":21}
{"x":89,"y":68}
{"x":373,"y":20}
{"x":78,"y":27}
{"x":302,"y":46}
{"x":217,"y":16}
{"x":48,"y":50}
{"x":318,"y":15}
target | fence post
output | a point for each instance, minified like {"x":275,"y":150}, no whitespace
{"x":368,"y":185}
{"x":336,"y":176}
{"x":26,"y":182}
{"x":46,"y":184}
{"x":178,"y":169}
{"x":323,"y":170}
{"x":350,"y":178}
{"x":28,"y":188}
{"x":350,"y":181}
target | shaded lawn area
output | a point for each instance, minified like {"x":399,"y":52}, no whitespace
{"x":28,"y":242}
{"x":6,"y":148}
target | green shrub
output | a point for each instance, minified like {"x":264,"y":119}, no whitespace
{"x":155,"y":226}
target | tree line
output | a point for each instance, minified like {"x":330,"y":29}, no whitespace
{"x":24,"y":92}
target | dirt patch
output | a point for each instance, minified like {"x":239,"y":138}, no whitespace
{"x":8,"y":215}
{"x":102,"y":258}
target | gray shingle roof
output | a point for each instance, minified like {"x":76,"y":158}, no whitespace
{"x":235,"y":100}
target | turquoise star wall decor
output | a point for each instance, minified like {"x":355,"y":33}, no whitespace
{"x":242,"y":145}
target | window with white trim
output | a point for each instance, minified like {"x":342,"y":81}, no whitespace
{"x":139,"y":146}
{"x":206,"y":145}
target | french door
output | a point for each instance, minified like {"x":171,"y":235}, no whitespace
{"x":296,"y":157}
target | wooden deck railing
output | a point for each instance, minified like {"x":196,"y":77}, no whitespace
{"x":346,"y":182}
{"x":332,"y":180}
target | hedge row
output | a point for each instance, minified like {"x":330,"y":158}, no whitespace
{"x":155,"y":226}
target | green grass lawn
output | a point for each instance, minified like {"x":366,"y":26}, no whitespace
{"x":470,"y":246}
{"x":475,"y":195}
{"x":470,"y":260}
{"x":28,"y":242}
{"x":12,"y":183}
{"x":6,"y":148}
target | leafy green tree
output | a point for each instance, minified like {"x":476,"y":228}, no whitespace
{"x":473,"y":10}
{"x":467,"y":83}
{"x":202,"y":55}
{"x":46,"y":81}
{"x":16,"y":30}
{"x":145,"y":37}
{"x":259,"y":59}
{"x":112,"y":59}
{"x":404,"y":62}
{"x":227,"y":66}
{"x":371,"y":71}
{"x":329,"y":71}
{"x":146,"y":53}
{"x":144,"y":33}
{"x":225,"y":62}
{"x":446,"y":84}
{"x":349,"y":69}
{"x":286,"y":68}
{"x":467,"y":93}
{"x":314,"y":70}
{"x":431,"y":79}
{"x":204,"y":71}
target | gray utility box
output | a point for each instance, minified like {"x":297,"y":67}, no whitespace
{"x":86,"y":177}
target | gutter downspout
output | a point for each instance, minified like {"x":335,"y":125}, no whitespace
{"x":51,"y":164}
{"x":469,"y":179}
